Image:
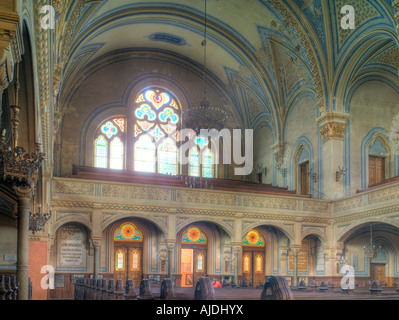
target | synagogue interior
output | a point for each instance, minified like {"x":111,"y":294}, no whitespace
{"x":105,"y":174}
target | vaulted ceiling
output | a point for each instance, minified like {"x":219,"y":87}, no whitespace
{"x":267,"y":54}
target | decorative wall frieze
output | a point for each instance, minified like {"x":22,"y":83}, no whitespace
{"x":73,"y":195}
{"x":332,"y":126}
{"x":380,"y":212}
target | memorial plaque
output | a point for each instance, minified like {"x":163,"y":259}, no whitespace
{"x":10,"y":257}
{"x":59,"y":281}
{"x":75,"y":277}
{"x":72,"y":246}
{"x":154,"y":279}
{"x":302,"y":258}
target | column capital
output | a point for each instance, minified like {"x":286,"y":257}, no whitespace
{"x":95,"y":242}
{"x":236,"y":247}
{"x":170,"y":244}
{"x":332,"y":126}
{"x":23,"y":192}
{"x":295,"y":248}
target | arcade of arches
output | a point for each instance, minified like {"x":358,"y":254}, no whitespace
{"x":106,"y":93}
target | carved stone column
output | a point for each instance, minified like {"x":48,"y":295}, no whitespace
{"x":171,"y":247}
{"x":23,"y":241}
{"x":236,"y":251}
{"x":332,"y":129}
{"x":96,"y":257}
{"x":295,"y":250}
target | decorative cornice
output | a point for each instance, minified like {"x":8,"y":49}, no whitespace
{"x":332,"y":126}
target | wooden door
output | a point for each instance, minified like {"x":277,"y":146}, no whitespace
{"x":304,"y":178}
{"x":187,"y":267}
{"x":129,"y":263}
{"x":377,"y":272}
{"x":253,"y":266}
{"x":193,"y":265}
{"x":376,"y":170}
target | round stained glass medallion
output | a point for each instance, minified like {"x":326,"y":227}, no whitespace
{"x":128,"y":232}
{"x":193,"y":234}
{"x":252,"y":237}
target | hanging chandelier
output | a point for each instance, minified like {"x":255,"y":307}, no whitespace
{"x":371,"y":250}
{"x":37,"y":219}
{"x":205,"y":116}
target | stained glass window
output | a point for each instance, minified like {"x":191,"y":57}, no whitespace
{"x":258,"y":263}
{"x":157,"y":116}
{"x":101,"y":153}
{"x":194,"y":235}
{"x":128,"y":232}
{"x":144,"y":154}
{"x":194,"y":163}
{"x":207,"y":163}
{"x":120,"y":260}
{"x":199,"y":264}
{"x":116,"y":154}
{"x":109,"y":146}
{"x":253,"y":239}
{"x":167,"y":157}
{"x":245,"y":263}
{"x":201,"y":159}
{"x":135,"y":260}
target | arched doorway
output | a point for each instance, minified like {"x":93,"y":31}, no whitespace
{"x":253,"y":257}
{"x":193,"y":256}
{"x":128,"y":253}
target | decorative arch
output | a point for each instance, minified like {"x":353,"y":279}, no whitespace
{"x":316,"y":233}
{"x":345,"y":232}
{"x":222,"y":224}
{"x":382,"y":136}
{"x":73,"y":218}
{"x":284,"y":229}
{"x":156,"y":221}
{"x":128,"y":232}
{"x":253,"y":239}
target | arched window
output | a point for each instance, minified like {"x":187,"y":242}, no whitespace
{"x":167,"y":157}
{"x":245,"y":263}
{"x":207,"y":163}
{"x":120,"y":260}
{"x":135,"y":260}
{"x":194,"y":162}
{"x":109,"y":144}
{"x":144,"y":154}
{"x":199,"y":263}
{"x":201,"y":159}
{"x":155,"y":147}
{"x":258,"y":263}
{"x":157,"y":115}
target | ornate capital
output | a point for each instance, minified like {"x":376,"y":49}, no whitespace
{"x":236,"y":249}
{"x":332,"y":126}
{"x":295,"y":249}
{"x":22,"y":192}
{"x":278,"y":150}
